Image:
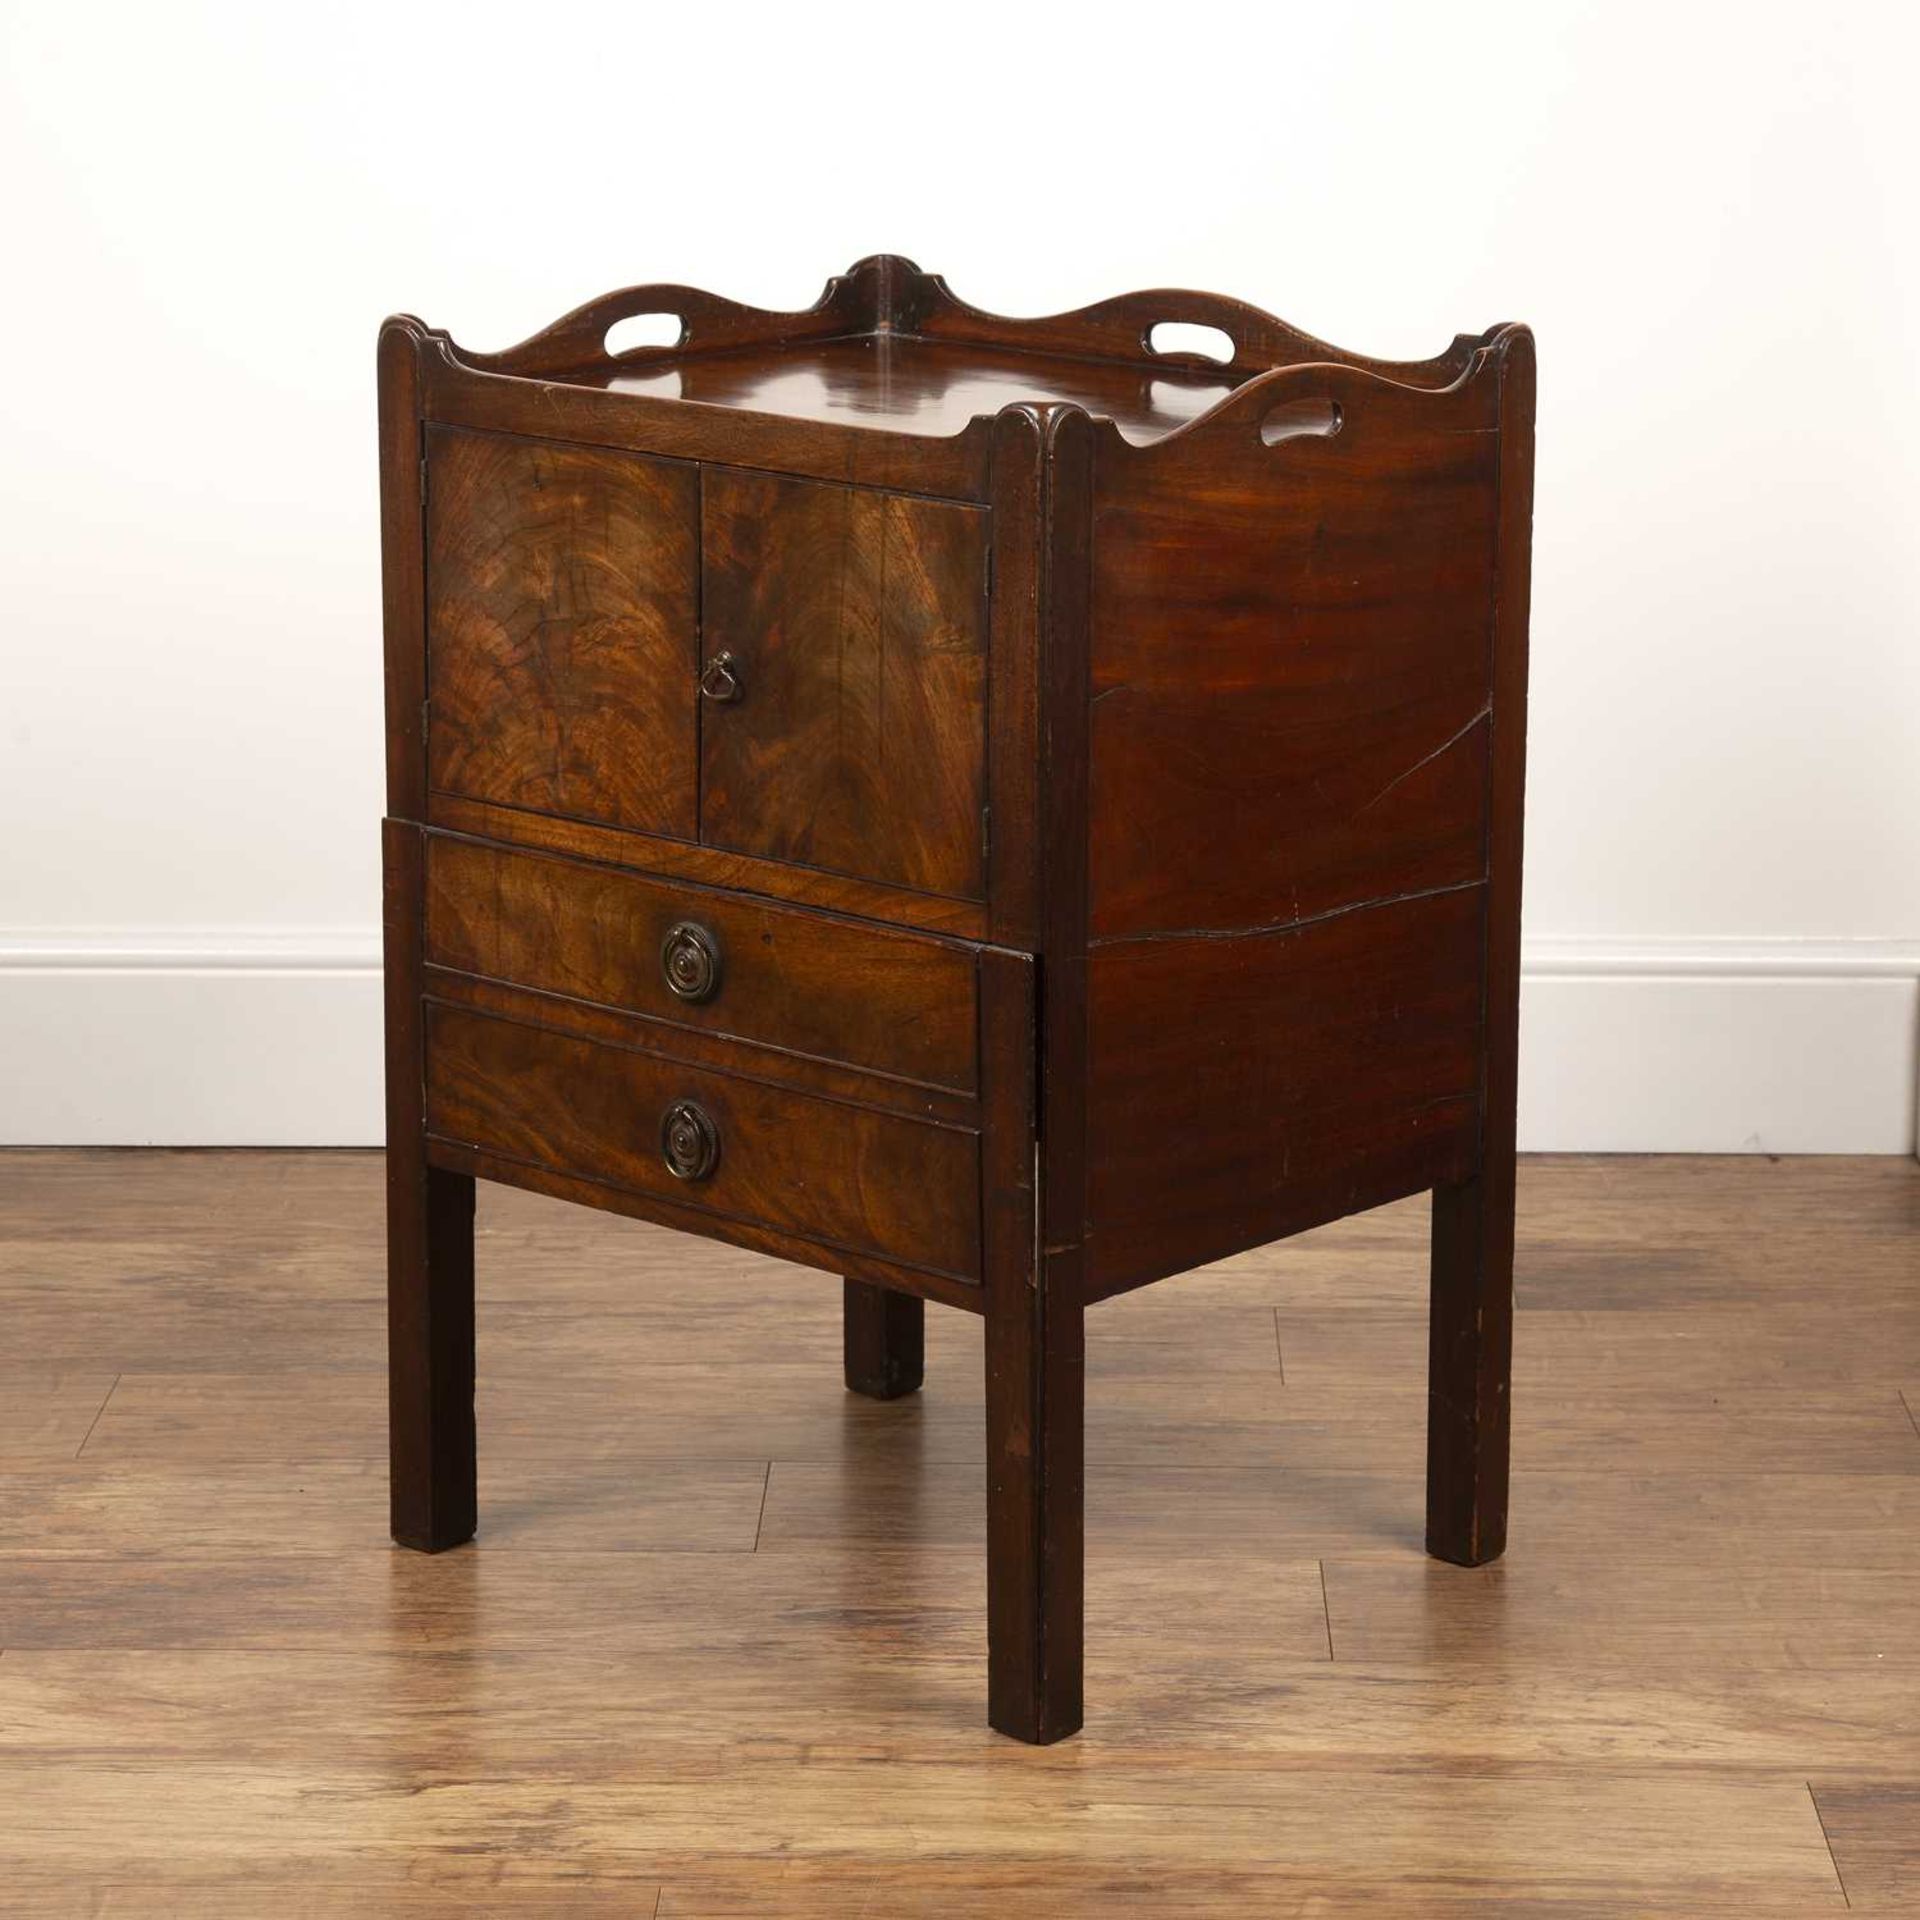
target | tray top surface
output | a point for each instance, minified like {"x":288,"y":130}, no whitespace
{"x":916,"y":386}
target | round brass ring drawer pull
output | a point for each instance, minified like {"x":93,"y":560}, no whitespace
{"x":690,"y":958}
{"x":689,"y":1141}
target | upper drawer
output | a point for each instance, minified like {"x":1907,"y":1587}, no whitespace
{"x":845,"y":726}
{"x":563,"y":629}
{"x":782,"y":977}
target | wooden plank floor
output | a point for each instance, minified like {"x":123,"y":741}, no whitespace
{"x":719,"y":1649}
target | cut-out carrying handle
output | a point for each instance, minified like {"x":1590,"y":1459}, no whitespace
{"x":1184,"y":331}
{"x":1322,"y":409}
{"x":643,"y":331}
{"x":1248,"y":341}
{"x":1258,"y":342}
{"x":1186,"y":340}
{"x":577,"y":341}
{"x":1124,"y":329}
{"x":1200,"y":332}
{"x":1308,"y":416}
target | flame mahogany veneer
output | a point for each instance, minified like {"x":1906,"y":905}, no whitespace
{"x":987,"y":807}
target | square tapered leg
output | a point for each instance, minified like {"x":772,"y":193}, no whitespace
{"x":430,"y":1357}
{"x":1035,"y":1516}
{"x":1470,"y":1361}
{"x":884,"y":1335}
{"x":429,"y":1252}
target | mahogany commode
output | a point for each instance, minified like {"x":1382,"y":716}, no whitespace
{"x":987,"y":807}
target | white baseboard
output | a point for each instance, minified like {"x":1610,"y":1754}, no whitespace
{"x":1719,"y":1046}
{"x":242,"y":1038}
{"x":216,"y":1038}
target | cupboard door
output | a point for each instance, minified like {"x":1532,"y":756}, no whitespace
{"x":845,"y":672}
{"x":563,"y":629}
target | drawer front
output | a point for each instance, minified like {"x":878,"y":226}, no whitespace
{"x":563,"y":629}
{"x":828,"y":1172}
{"x":780,"y":977}
{"x":844,"y":651}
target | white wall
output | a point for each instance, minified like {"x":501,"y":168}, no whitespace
{"x":1706,"y":212}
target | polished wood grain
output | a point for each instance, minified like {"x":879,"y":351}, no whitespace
{"x":1242,"y":1089}
{"x":1019,"y":580}
{"x":825,"y":1171}
{"x":1062,"y":818}
{"x":398,"y":368}
{"x":577,"y":343}
{"x":803,"y":983}
{"x":562,"y":629}
{"x":856,"y":622}
{"x":659,"y":1209}
{"x":1035,"y":1390}
{"x":1290,"y":657}
{"x":923,"y":387}
{"x":717,"y":1641}
{"x":1873,"y":1827}
{"x":1736,"y":1443}
{"x":596,"y":413}
{"x":710,"y":866}
{"x":1470,"y":1321}
{"x":702,"y":1047}
{"x":1121,"y":330}
{"x":46,"y":1413}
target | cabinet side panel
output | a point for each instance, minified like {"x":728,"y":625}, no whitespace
{"x":1244,"y":1089}
{"x":1290,"y":719}
{"x":1290,"y":692}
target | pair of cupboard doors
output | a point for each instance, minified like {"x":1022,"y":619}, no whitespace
{"x":785,"y":668}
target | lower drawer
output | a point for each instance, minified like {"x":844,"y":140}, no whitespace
{"x":826,"y":1171}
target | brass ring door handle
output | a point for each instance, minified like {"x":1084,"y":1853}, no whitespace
{"x":720,"y":680}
